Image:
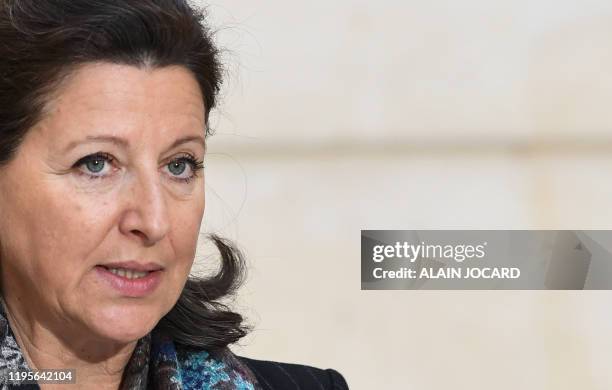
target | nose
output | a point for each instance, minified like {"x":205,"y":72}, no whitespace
{"x":146,"y":214}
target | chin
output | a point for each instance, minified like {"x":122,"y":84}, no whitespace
{"x":126,"y":323}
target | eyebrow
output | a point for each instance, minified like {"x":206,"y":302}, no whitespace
{"x":124,"y":143}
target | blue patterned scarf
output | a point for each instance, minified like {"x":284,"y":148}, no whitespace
{"x":156,"y":363}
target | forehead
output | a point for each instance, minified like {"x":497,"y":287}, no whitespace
{"x":111,"y":91}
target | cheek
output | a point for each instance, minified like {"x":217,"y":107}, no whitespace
{"x":66,"y":233}
{"x":185,"y":230}
{"x":49,"y":241}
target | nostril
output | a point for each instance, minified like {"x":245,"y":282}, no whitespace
{"x":140,"y":234}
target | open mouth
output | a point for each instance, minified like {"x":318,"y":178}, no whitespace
{"x":131,"y":282}
{"x":127,"y":273}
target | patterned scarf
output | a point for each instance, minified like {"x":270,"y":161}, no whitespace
{"x":156,"y":363}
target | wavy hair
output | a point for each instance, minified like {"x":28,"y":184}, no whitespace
{"x":43,"y":41}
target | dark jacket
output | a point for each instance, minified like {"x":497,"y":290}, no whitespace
{"x":287,"y":376}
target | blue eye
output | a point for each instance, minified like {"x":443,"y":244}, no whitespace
{"x":92,"y":167}
{"x":94,"y":164}
{"x":177,"y":167}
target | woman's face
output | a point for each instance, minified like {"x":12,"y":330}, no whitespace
{"x":65,"y":217}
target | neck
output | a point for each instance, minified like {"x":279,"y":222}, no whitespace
{"x":95,"y":361}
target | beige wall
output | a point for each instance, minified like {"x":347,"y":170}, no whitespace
{"x":348,"y":115}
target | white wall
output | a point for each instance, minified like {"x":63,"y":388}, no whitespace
{"x":348,"y":115}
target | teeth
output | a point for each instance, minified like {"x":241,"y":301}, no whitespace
{"x":128,"y":273}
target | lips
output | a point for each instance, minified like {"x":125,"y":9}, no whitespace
{"x":134,"y":266}
{"x":131,"y":278}
{"x":129,"y":285}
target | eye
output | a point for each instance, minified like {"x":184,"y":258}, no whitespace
{"x":94,"y":165}
{"x":185,"y":163}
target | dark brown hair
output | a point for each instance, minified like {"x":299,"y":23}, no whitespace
{"x":43,"y":41}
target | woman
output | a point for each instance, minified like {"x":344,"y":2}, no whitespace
{"x":103,"y":116}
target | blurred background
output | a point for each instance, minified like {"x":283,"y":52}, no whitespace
{"x":349,"y":115}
